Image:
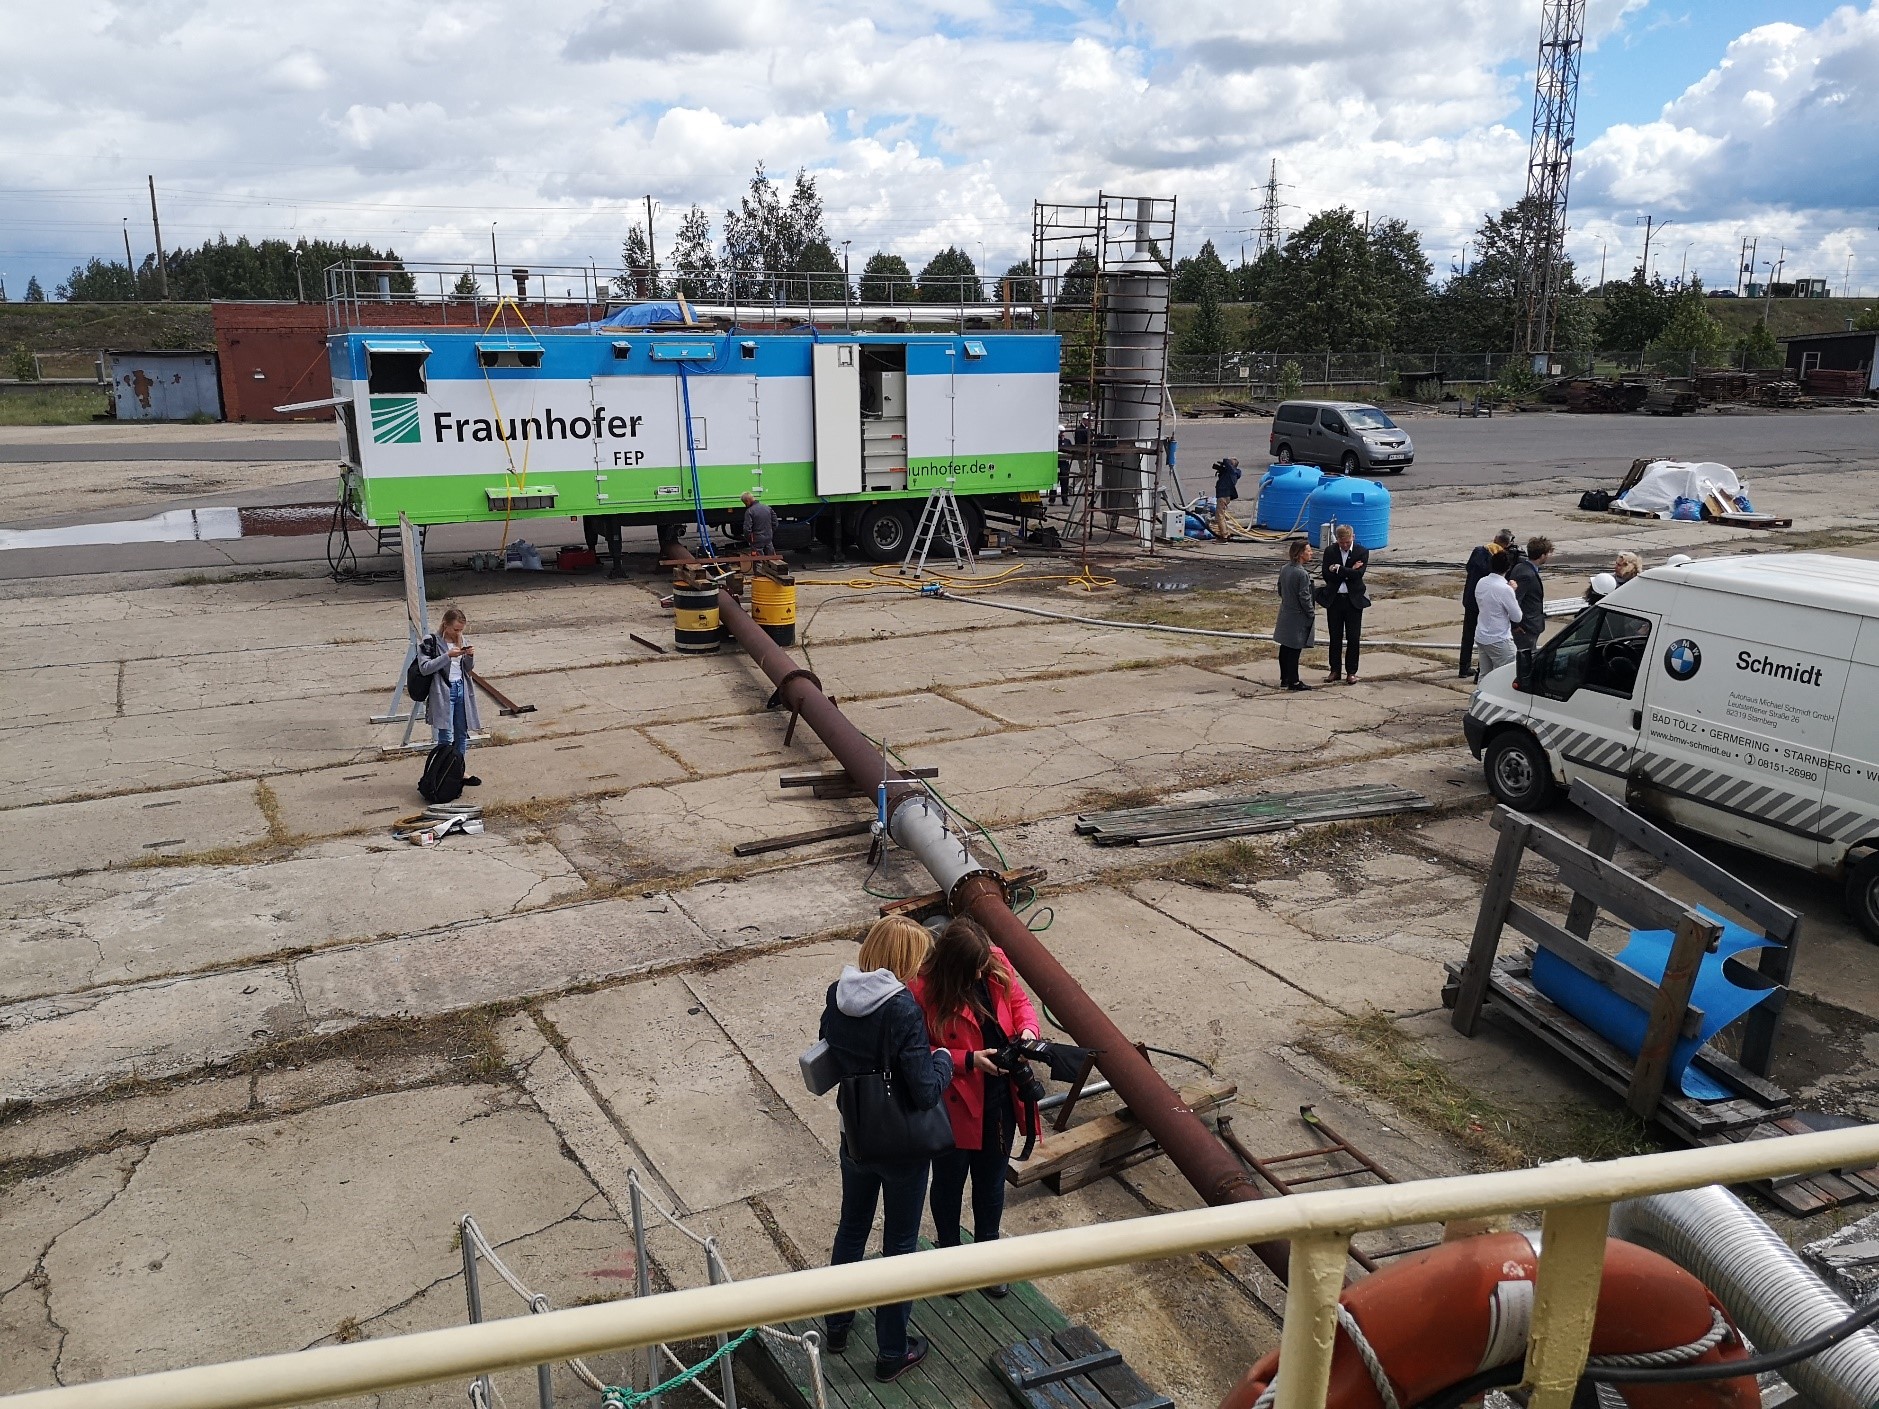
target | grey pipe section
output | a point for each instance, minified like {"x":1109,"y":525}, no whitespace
{"x":919,"y":825}
{"x":1774,"y":1296}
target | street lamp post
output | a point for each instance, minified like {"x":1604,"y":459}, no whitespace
{"x":848,"y":320}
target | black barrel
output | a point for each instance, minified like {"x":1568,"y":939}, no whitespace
{"x":696,"y":629}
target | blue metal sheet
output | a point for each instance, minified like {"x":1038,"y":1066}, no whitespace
{"x":1622,"y":1023}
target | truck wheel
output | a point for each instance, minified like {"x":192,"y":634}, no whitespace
{"x":883,"y":532}
{"x":974,"y":519}
{"x":1518,"y":772}
{"x":1862,"y":894}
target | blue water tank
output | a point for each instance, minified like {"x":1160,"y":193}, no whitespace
{"x":1357,"y":502}
{"x":1283,"y":490}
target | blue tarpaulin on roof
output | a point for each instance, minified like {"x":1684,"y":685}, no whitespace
{"x":640,"y":315}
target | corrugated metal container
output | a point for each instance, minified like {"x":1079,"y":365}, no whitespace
{"x":164,"y":386}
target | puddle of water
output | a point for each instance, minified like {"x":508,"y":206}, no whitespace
{"x":171,"y":526}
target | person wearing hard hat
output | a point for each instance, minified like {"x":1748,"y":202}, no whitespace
{"x":1603,"y":585}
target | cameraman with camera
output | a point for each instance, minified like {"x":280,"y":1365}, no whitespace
{"x":978,"y":1011}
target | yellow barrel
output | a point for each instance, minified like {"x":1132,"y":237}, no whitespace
{"x":696,"y":628}
{"x":773,"y":606}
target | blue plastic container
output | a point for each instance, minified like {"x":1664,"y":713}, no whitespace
{"x":1357,"y":502}
{"x":1283,"y":490}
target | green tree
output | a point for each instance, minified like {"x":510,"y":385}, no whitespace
{"x":466,"y":287}
{"x":1692,"y":336}
{"x":950,"y":277}
{"x":1481,"y":306}
{"x":1019,"y":283}
{"x":20,"y":363}
{"x":1634,"y":314}
{"x":886,"y":279}
{"x":694,"y":259}
{"x":764,"y":238}
{"x":1757,"y":348}
{"x":1199,"y":273}
{"x":821,"y":272}
{"x":639,"y":275}
{"x":1206,"y":336}
{"x":34,"y":293}
{"x":99,"y":281}
{"x":1868,"y":319}
{"x":1323,"y":293}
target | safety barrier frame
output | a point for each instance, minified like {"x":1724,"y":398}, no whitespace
{"x":1574,"y":1201}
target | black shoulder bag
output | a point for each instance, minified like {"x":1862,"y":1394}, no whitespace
{"x":880,"y":1127}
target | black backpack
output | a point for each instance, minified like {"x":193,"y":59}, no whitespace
{"x":443,"y":774}
{"x":417,"y":683}
{"x":1595,"y":500}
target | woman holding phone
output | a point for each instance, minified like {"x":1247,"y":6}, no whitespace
{"x":450,"y":709}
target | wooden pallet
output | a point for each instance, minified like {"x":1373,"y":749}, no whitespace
{"x":1039,"y":1374}
{"x":1216,"y":818}
{"x":1069,"y":1159}
{"x":965,"y":1332}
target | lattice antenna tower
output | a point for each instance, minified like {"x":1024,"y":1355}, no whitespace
{"x":1549,"y":171}
{"x":1269,"y":213}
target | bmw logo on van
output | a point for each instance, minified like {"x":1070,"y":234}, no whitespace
{"x":1682,"y":659}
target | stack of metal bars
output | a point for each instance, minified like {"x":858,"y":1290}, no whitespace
{"x":1217,"y":818}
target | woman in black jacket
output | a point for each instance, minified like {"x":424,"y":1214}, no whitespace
{"x":872,"y":1023}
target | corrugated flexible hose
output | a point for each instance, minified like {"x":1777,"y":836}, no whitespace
{"x":1774,"y":1296}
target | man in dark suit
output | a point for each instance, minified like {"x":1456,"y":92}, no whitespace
{"x":1345,"y":562}
{"x":1480,"y":564}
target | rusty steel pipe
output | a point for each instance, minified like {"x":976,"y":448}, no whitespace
{"x":1215,"y":1172}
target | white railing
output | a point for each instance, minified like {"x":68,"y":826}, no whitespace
{"x":1573,"y":1199}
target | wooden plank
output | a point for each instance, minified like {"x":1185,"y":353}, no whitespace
{"x":1603,"y":843}
{"x":1495,"y":896}
{"x":960,"y":1366}
{"x":1732,"y":1073}
{"x":1776,"y":920}
{"x":1040,"y":1309}
{"x":1696,"y":936}
{"x":793,"y":839}
{"x":1638,"y":903}
{"x":1108,"y":1137}
{"x":1081,"y":1385}
{"x":1016,"y":1361}
{"x":1627,"y":983}
{"x":1121,"y":1386}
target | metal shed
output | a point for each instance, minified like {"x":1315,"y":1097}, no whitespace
{"x":1835,"y":352}
{"x":164,"y":386}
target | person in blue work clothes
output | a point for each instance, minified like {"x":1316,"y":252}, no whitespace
{"x":450,"y":709}
{"x":1226,"y":490}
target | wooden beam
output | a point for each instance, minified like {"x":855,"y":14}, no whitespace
{"x":1603,"y":843}
{"x":1637,"y":903}
{"x":1075,"y":1156}
{"x":1495,"y":898}
{"x":1627,"y":983}
{"x":1776,"y":920}
{"x":1695,"y":936}
{"x":784,"y":843}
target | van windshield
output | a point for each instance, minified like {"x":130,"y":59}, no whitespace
{"x":1369,"y":419}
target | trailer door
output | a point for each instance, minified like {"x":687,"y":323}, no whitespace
{"x":837,"y":369}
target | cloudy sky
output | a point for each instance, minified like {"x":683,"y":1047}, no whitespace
{"x":928,"y":122}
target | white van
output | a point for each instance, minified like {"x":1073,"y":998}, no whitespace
{"x":1738,"y":697}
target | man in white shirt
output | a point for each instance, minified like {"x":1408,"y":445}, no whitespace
{"x":1499,"y":606}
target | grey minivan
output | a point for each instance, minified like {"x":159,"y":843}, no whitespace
{"x":1340,"y":435}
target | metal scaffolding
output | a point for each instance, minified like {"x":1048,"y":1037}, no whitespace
{"x":1103,"y":276}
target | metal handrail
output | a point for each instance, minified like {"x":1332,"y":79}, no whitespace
{"x":1574,"y":1199}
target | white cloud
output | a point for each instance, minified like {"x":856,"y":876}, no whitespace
{"x":416,"y":125}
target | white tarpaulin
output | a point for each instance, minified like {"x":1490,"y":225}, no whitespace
{"x":1666,"y":481}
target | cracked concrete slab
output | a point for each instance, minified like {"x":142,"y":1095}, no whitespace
{"x":755,"y":740}
{"x":63,"y":838}
{"x":775,"y":906}
{"x":53,"y":1048}
{"x":371,"y":795}
{"x":44,"y":695}
{"x":1121,"y":692}
{"x":58,"y":1130}
{"x":544,"y":952}
{"x":30,"y":1338}
{"x":39,"y":1210}
{"x":676,"y":828}
{"x":345,"y":1212}
{"x":711,"y":1125}
{"x":64,"y":936}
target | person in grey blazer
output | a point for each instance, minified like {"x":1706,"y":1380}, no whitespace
{"x":450,"y":708}
{"x":1297,"y":625}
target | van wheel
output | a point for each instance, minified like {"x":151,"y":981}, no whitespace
{"x":1348,"y":465}
{"x":1862,"y":894}
{"x":883,"y":532}
{"x":1285,"y":455}
{"x":1518,"y":772}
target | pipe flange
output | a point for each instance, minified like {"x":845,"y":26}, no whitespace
{"x":777,"y":698}
{"x":984,"y":873}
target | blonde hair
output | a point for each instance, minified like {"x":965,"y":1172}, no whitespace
{"x":1628,"y":565}
{"x":897,"y":944}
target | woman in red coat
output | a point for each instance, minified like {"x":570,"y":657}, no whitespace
{"x":974,"y":1006}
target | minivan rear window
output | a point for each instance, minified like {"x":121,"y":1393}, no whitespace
{"x":1300,"y":415}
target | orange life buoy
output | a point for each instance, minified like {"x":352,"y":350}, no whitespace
{"x":1438,"y":1317}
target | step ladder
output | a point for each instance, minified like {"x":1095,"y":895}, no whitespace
{"x":940,"y":517}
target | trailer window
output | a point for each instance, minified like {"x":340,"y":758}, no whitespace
{"x":1602,"y":650}
{"x":395,"y":372}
